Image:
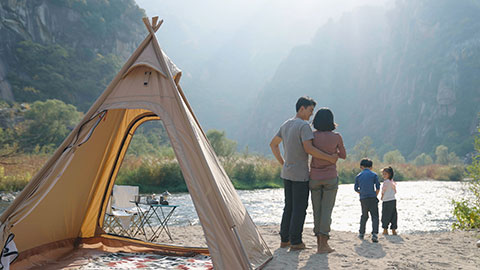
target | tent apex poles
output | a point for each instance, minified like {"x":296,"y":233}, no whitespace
{"x":154,"y":20}
{"x":155,"y":25}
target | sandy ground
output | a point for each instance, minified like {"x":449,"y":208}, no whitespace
{"x":442,"y":250}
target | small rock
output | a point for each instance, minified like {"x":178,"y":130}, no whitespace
{"x":478,"y":243}
{"x":7,"y":197}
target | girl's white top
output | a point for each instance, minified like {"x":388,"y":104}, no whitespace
{"x":389,"y":188}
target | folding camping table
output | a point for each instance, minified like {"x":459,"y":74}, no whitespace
{"x":147,"y":213}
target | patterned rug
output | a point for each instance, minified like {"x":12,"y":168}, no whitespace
{"x":146,"y":261}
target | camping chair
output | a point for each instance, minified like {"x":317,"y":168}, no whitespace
{"x":121,"y":215}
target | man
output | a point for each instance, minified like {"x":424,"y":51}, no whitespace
{"x":297,"y":137}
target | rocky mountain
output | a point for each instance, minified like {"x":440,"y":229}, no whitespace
{"x":67,"y":50}
{"x":408,"y":77}
{"x":228,"y":50}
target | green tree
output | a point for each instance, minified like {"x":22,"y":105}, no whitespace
{"x":47,"y":124}
{"x":453,"y":159}
{"x":422,"y":160}
{"x":8,"y":146}
{"x":467,"y":212}
{"x":139,"y":145}
{"x":151,"y":138}
{"x":441,"y":152}
{"x":223,"y":146}
{"x":60,"y":72}
{"x":393,"y":157}
{"x":363,"y":149}
{"x":445,"y":157}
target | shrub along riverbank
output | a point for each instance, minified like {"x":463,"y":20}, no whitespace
{"x":255,"y":172}
{"x":467,"y":211}
{"x":155,"y":175}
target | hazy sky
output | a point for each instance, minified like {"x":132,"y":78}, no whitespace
{"x":229,"y":49}
{"x":215,"y":20}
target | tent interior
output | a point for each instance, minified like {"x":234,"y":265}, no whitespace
{"x":61,"y":213}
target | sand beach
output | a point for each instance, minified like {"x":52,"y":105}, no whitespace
{"x":436,"y":250}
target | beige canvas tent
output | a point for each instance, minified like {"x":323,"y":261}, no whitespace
{"x":62,"y":208}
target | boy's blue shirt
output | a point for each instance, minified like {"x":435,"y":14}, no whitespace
{"x":366,"y":183}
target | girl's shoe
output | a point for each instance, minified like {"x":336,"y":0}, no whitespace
{"x":385,"y":232}
{"x":394,"y":232}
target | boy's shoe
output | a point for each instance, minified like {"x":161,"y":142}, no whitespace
{"x":385,"y":232}
{"x":298,"y":246}
{"x":284,"y":244}
{"x":361,"y":236}
{"x":374,"y":238}
{"x":394,"y":232}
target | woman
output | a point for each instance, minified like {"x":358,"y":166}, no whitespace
{"x":324,"y":177}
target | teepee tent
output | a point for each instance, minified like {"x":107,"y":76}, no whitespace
{"x":62,"y":208}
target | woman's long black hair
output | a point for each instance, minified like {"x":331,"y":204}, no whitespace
{"x":323,"y":120}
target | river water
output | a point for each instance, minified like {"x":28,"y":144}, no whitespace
{"x":423,"y":206}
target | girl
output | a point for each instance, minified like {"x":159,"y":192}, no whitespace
{"x":323,"y":176}
{"x":389,"y":205}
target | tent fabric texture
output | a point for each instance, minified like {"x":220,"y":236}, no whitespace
{"x":62,"y":208}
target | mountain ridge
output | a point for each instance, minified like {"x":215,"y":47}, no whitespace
{"x":80,"y":30}
{"x":404,"y":76}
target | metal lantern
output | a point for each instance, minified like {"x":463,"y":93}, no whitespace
{"x":165,"y":195}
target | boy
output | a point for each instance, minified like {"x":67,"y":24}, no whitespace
{"x":368,"y":186}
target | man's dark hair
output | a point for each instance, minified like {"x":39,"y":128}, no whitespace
{"x":389,"y":170}
{"x":323,"y":120}
{"x":366,"y":163}
{"x":305,"y":102}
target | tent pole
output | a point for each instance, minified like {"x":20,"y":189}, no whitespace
{"x":235,"y":231}
{"x":159,"y":52}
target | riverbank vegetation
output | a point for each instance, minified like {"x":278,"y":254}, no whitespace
{"x":467,"y":210}
{"x":157,"y":174}
{"x":151,"y":164}
{"x":38,"y":128}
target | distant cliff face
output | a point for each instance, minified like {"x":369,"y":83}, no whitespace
{"x":103,"y":27}
{"x":407,"y":77}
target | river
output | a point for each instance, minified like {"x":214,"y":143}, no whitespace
{"x":423,"y":206}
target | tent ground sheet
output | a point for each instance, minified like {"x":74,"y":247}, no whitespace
{"x":95,"y":259}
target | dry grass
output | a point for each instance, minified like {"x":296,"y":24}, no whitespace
{"x":246,"y":172}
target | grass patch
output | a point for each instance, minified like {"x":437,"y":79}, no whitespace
{"x":157,"y":174}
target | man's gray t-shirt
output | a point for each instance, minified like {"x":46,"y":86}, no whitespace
{"x":293,"y":133}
